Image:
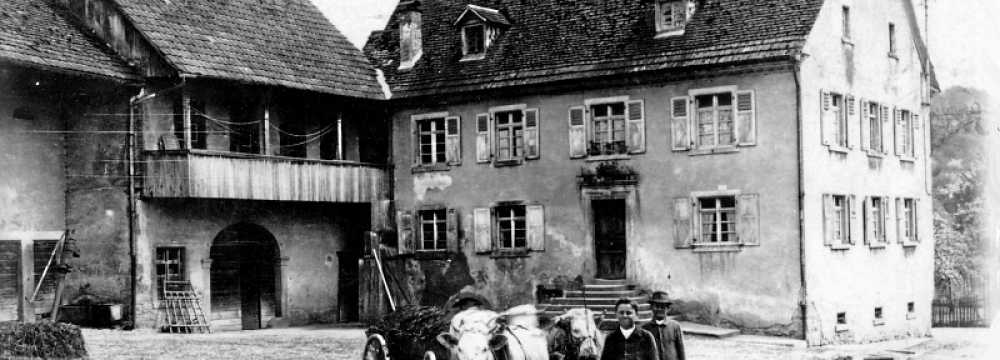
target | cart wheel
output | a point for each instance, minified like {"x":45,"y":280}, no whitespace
{"x":429,"y":355}
{"x":375,"y":348}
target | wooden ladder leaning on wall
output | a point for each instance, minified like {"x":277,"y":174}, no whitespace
{"x":182,"y":308}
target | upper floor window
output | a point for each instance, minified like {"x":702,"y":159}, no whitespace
{"x":430,"y":134}
{"x":872,"y":132}
{"x":713,"y":120}
{"x":510,"y":135}
{"x":905,"y":130}
{"x":906,"y":220}
{"x":876,"y":216}
{"x":474,"y":40}
{"x":839,"y":219}
{"x":507,"y":135}
{"x":892,"y":40}
{"x":837,"y":110}
{"x":436,"y":140}
{"x":672,"y":15}
{"x":479,"y":27}
{"x":607,"y":127}
{"x":846,"y":26}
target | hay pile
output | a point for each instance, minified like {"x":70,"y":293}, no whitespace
{"x":411,"y":330}
{"x":43,"y":339}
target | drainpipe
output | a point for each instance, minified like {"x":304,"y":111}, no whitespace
{"x":804,"y":301}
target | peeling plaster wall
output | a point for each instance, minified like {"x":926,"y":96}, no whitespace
{"x":756,"y":287}
{"x":857,"y":280}
{"x":308,"y":235}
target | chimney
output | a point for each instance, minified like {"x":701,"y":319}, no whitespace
{"x":410,"y":37}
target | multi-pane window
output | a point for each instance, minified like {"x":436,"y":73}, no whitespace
{"x":874,"y":127}
{"x":672,"y":14}
{"x":841,"y":229}
{"x":608,"y":124}
{"x":510,"y":135}
{"x":431,"y":141}
{"x":906,"y":133}
{"x":876,"y":220}
{"x":892,"y":39}
{"x":169,"y":266}
{"x":908,"y":227}
{"x":433,"y":230}
{"x":846,"y":18}
{"x":717,"y":219}
{"x":512,"y":227}
{"x":838,"y":127}
{"x":474,"y":39}
{"x":714,"y":120}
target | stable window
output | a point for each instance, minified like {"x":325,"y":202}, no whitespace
{"x":714,"y":120}
{"x":433,"y":230}
{"x":672,"y":15}
{"x":878,"y":319}
{"x":44,"y":259}
{"x":169,"y":266}
{"x":717,"y":219}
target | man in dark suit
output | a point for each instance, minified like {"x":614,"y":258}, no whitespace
{"x":666,"y":332}
{"x":628,"y":342}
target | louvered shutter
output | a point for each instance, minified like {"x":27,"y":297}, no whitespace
{"x":679,"y":123}
{"x":577,"y":133}
{"x":916,"y":220}
{"x":453,"y":140}
{"x":484,"y":148}
{"x":748,"y":219}
{"x":851,"y":113}
{"x":887,"y":126}
{"x":535,"y":221}
{"x":415,"y":142}
{"x":917,"y":139}
{"x":483,"y":229}
{"x":900,"y":231}
{"x":636,"y":127}
{"x":531,"y":147}
{"x":682,"y":222}
{"x":864,"y":126}
{"x":404,"y":234}
{"x":746,"y":117}
{"x":826,"y":117}
{"x":869,"y":229}
{"x":855,"y":227}
{"x":828,"y":223}
{"x":886,"y":218}
{"x":451,"y":223}
{"x":897,"y":118}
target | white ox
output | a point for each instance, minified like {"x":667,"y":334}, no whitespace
{"x":584,"y":340}
{"x":475,"y":334}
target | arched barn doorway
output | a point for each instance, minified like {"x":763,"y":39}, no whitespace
{"x":245,"y":276}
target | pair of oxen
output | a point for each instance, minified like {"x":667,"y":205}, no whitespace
{"x":515,"y":334}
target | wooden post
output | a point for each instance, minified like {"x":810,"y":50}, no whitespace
{"x":25,"y":304}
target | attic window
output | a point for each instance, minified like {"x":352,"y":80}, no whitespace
{"x":672,"y":15}
{"x":474,"y":40}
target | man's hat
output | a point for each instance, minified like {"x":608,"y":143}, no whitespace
{"x":660,"y":297}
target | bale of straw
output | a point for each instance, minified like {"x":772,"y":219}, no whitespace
{"x":43,"y":339}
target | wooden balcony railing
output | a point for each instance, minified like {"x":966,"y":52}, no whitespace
{"x":224,"y":175}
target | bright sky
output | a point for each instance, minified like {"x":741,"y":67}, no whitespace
{"x":964,"y":35}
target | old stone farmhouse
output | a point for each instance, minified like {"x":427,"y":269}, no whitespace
{"x":762,"y":161}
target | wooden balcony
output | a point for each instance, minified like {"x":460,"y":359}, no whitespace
{"x":224,"y":175}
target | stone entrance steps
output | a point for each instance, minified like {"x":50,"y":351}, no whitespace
{"x":600,"y":297}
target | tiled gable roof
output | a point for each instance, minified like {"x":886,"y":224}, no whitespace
{"x":275,"y":42}
{"x":485,"y":14}
{"x":36,"y":33}
{"x":551,"y":40}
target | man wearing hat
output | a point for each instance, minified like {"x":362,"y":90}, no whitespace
{"x":666,"y":332}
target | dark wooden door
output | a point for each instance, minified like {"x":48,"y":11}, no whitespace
{"x":10,"y":270}
{"x":250,"y":295}
{"x":610,"y":238}
{"x":347,"y":286}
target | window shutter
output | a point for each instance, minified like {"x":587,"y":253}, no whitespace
{"x":636,"y":127}
{"x":535,"y":221}
{"x":854,"y":226}
{"x":869,"y":230}
{"x":828,"y":215}
{"x":451,"y":222}
{"x":899,"y":221}
{"x":918,"y":144}
{"x":887,"y":126}
{"x":415,"y":141}
{"x":531,"y":146}
{"x":483,"y":130}
{"x":483,"y":226}
{"x":748,"y":219}
{"x":746,"y":117}
{"x":577,"y":133}
{"x":826,"y":117}
{"x":886,"y":218}
{"x":916,"y":220}
{"x":453,"y":140}
{"x":898,"y":121}
{"x":679,"y":125}
{"x":405,"y":232}
{"x":682,"y":222}
{"x":851,"y":114}
{"x":865,"y":126}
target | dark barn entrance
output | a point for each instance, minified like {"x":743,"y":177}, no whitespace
{"x":610,"y":238}
{"x":244,"y":275}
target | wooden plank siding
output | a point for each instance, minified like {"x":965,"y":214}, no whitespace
{"x":221,"y":175}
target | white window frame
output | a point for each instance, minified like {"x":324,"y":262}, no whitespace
{"x":906,"y":116}
{"x":499,"y":217}
{"x":879,"y":236}
{"x":496,"y":133}
{"x":840,"y":114}
{"x":591,"y":124}
{"x":699,"y":237}
{"x":663,"y":29}
{"x":842,"y":220}
{"x":909,"y":219}
{"x":875,"y":122}
{"x":466,"y":55}
{"x":415,"y":122}
{"x":440,"y":229}
{"x":693,"y":114}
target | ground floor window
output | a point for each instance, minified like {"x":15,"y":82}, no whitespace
{"x":169,"y":266}
{"x":433,"y":230}
{"x":717,"y":216}
{"x":838,"y":220}
{"x":511,"y":227}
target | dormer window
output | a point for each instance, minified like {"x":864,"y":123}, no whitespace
{"x":474,"y":40}
{"x":672,"y":15}
{"x":479,"y":28}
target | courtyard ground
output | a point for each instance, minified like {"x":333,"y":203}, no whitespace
{"x":342,"y":344}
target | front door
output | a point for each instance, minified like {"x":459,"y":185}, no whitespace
{"x":610,"y":238}
{"x":250,"y":290}
{"x":347,"y":281}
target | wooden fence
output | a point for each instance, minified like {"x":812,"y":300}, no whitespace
{"x":964,"y":306}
